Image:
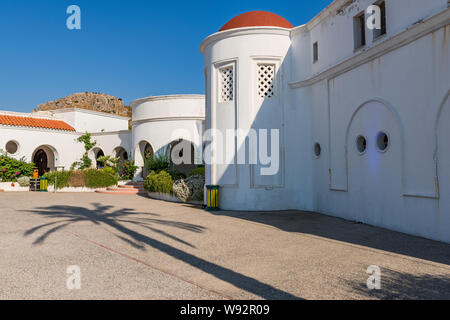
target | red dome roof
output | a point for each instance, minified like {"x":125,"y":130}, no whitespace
{"x":257,"y":19}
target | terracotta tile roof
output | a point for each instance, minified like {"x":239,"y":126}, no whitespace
{"x":16,"y":121}
{"x":257,"y":19}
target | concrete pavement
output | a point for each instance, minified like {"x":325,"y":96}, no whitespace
{"x":131,"y":247}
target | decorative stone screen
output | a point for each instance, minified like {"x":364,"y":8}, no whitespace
{"x":226,"y":78}
{"x":266,"y":77}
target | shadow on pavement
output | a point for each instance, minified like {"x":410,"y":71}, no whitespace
{"x":405,"y":286}
{"x":120,"y":218}
{"x":350,"y":232}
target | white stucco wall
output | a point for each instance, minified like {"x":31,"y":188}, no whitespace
{"x":243,"y":187}
{"x":164,"y":119}
{"x":90,"y":121}
{"x":398,"y":84}
{"x":64,"y":146}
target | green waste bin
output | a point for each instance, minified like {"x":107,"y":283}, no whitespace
{"x":212,"y":198}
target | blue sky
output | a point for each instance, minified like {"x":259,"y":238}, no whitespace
{"x":129,"y":49}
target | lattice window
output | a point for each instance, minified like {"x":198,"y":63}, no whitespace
{"x":266,"y":78}
{"x":226,"y":84}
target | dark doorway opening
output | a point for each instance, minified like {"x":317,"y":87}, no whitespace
{"x":100,"y":165}
{"x":41,"y":161}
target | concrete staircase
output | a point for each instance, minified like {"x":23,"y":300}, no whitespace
{"x":133,"y":188}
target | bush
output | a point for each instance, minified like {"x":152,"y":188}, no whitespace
{"x":200,"y":171}
{"x":76,"y":179}
{"x":181,"y":190}
{"x":158,"y":163}
{"x":196,"y":186}
{"x":91,"y":178}
{"x":128,"y":170}
{"x":110,"y":162}
{"x":100,"y":178}
{"x":190,"y":188}
{"x":177,"y":175}
{"x":24,"y":181}
{"x":11,"y":169}
{"x":160,"y":182}
{"x":62,"y":178}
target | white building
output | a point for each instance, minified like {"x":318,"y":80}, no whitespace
{"x":363,"y":115}
{"x":49,"y":139}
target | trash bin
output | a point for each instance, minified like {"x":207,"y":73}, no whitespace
{"x":212,"y":198}
{"x":35,"y":173}
{"x":35,"y":185}
{"x":43,"y":184}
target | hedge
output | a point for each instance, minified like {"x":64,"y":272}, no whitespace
{"x":90,"y":178}
{"x":200,"y":171}
{"x":161,"y":182}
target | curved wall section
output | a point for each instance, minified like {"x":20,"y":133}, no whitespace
{"x":159,"y":121}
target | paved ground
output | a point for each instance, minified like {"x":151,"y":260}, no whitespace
{"x":131,"y":247}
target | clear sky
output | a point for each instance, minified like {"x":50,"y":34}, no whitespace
{"x":129,"y":49}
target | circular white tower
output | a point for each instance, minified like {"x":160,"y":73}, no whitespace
{"x":245,"y":85}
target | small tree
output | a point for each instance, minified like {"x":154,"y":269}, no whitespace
{"x":85,"y":162}
{"x":110,"y":162}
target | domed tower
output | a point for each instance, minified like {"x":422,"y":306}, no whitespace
{"x":245,"y":88}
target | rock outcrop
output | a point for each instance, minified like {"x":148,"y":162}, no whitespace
{"x":91,"y":101}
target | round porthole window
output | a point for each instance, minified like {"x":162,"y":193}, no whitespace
{"x":382,"y":141}
{"x":361,"y":144}
{"x":12,"y":147}
{"x":317,"y":150}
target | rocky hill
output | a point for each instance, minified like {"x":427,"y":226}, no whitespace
{"x":91,"y":101}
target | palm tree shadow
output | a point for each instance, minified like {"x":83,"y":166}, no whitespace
{"x":118,"y":221}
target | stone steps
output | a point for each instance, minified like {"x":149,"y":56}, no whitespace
{"x":128,"y":189}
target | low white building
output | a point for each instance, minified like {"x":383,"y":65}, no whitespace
{"x":49,"y":139}
{"x":363,"y":115}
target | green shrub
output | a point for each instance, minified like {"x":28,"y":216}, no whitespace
{"x":100,"y":178}
{"x":62,"y":178}
{"x":159,"y":182}
{"x":200,"y":171}
{"x":128,"y":170}
{"x":85,"y":162}
{"x":158,"y":163}
{"x":176,"y":175}
{"x":11,"y":169}
{"x":110,"y":162}
{"x":90,"y":178}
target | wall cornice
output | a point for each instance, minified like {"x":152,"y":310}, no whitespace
{"x":399,"y":40}
{"x":137,"y":122}
{"x":242,"y":32}
{"x":168,"y":97}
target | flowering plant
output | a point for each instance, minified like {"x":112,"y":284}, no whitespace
{"x":11,"y":169}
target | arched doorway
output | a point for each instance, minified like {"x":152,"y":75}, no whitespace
{"x":44,"y":157}
{"x":374,"y":166}
{"x":99,"y":164}
{"x":41,"y":161}
{"x":121,"y":153}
